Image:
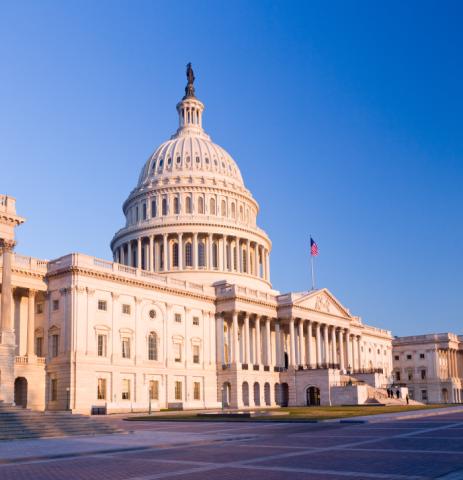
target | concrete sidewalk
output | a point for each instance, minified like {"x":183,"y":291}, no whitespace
{"x":386,"y":417}
{"x":13,"y":451}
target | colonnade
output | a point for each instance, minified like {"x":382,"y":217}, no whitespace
{"x":179,"y":251}
{"x":451,"y":355}
{"x":286,"y":343}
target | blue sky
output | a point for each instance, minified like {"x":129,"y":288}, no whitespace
{"x":344,"y":117}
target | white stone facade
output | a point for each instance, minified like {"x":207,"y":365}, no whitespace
{"x":185,"y":315}
{"x":431,"y":366}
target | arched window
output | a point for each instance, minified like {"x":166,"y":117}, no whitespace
{"x":233,"y":210}
{"x":175,"y":254}
{"x":152,"y":346}
{"x":164,"y":206}
{"x":224,"y":208}
{"x":241,"y":213}
{"x":212,"y":206}
{"x":188,"y":255}
{"x":188,"y":204}
{"x":176,"y":206}
{"x":200,"y":205}
{"x":161,"y":256}
{"x":245,"y":259}
{"x":215,"y":255}
{"x":201,"y":254}
{"x":235,"y":259}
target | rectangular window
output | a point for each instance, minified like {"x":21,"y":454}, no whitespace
{"x":101,"y":389}
{"x":136,"y":213}
{"x":39,"y":346}
{"x":178,"y":318}
{"x":55,"y":305}
{"x":144,"y":211}
{"x":39,"y":308}
{"x":196,"y":321}
{"x":195,"y":353}
{"x":54,"y":389}
{"x":409,"y":357}
{"x":102,"y":305}
{"x":421,"y":355}
{"x":396,"y":357}
{"x":178,"y":390}
{"x":102,"y":343}
{"x":410,"y":375}
{"x":125,"y":347}
{"x":54,"y":345}
{"x":125,"y":389}
{"x":397,"y":376}
{"x":126,"y":309}
{"x":424,"y":394}
{"x":177,"y":352}
{"x":153,"y":208}
{"x":423,"y":374}
{"x":154,"y":390}
{"x":196,"y":390}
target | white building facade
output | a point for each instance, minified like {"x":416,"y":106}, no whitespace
{"x":431,"y":366}
{"x":185,"y":316}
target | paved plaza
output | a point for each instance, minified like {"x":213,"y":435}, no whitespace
{"x":414,"y":448}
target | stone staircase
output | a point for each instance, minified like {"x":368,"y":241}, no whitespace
{"x":17,"y":423}
{"x":379,"y":396}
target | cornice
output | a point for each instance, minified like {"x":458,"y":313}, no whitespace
{"x":136,"y":230}
{"x":135,"y":282}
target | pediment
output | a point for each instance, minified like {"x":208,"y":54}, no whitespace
{"x":323,"y":301}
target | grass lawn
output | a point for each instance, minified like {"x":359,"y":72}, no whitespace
{"x":297,"y":414}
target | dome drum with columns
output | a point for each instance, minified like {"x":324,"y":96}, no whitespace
{"x":191,"y":212}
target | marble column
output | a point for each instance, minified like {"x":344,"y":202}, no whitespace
{"x":220,"y":340}
{"x":180,"y":252}
{"x":341,"y":349}
{"x":248,"y":256}
{"x":139,"y":265}
{"x":257,"y":350}
{"x":210,"y":261}
{"x":256,"y":260}
{"x":166,"y":253}
{"x":30,"y":323}
{"x":309,"y":343}
{"x":301,"y":342}
{"x":129,"y":254}
{"x":349,"y":350}
{"x":268,"y":340}
{"x":7,"y":290}
{"x":236,"y":344}
{"x":195,"y":251}
{"x":292,"y":343}
{"x":277,"y":344}
{"x":247,"y":340}
{"x":326,"y":359}
{"x":151,"y":255}
{"x":334,"y":353}
{"x":319,"y":345}
{"x":359,"y":352}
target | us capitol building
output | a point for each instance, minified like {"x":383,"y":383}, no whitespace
{"x":185,"y":316}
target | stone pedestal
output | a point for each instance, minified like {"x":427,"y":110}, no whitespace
{"x":7,"y":358}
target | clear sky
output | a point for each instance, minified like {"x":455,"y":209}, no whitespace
{"x":344,"y":117}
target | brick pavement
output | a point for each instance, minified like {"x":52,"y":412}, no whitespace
{"x":421,"y":448}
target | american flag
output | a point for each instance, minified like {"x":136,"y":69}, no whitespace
{"x":313,"y":247}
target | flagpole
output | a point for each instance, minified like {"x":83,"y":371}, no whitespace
{"x":311,"y":264}
{"x":313,"y":273}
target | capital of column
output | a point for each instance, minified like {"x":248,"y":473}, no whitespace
{"x":7,"y":245}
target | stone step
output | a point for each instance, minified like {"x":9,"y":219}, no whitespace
{"x":17,"y":422}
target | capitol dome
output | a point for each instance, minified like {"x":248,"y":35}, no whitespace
{"x":191,"y":213}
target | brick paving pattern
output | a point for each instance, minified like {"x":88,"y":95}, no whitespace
{"x":403,"y":449}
